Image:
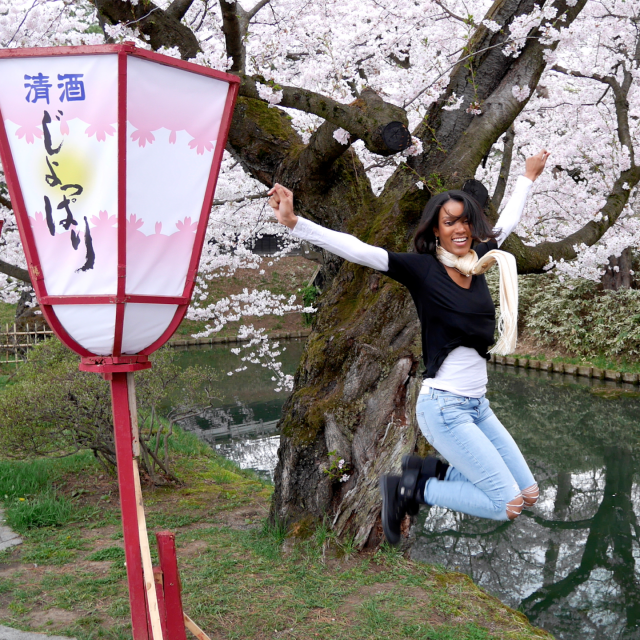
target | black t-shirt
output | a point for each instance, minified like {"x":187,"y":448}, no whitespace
{"x":451,"y":316}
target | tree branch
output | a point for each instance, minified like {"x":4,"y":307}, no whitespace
{"x":534,"y":259}
{"x":449,"y":12}
{"x":5,"y":202}
{"x":235,"y":27}
{"x":257,"y":196}
{"x":235,"y":23}
{"x":578,"y":74}
{"x":505,"y":168}
{"x":178,"y":8}
{"x":261,"y":138}
{"x":15,"y":272}
{"x":329,"y":180}
{"x":456,"y":141}
{"x":252,"y":12}
{"x":163,"y":28}
{"x":323,"y":149}
{"x":620,"y":93}
{"x":365,"y":118}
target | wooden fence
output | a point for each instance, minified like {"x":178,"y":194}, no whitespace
{"x":15,"y":341}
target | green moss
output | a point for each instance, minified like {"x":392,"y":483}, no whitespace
{"x":272,"y":121}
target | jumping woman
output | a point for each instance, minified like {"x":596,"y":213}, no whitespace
{"x":485,"y":474}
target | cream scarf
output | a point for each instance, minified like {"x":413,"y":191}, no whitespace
{"x":470,"y":265}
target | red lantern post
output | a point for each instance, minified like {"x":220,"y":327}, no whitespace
{"x":111,"y":155}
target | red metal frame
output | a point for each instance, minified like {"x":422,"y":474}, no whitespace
{"x":120,"y":298}
{"x":106,"y":299}
{"x":122,"y":201}
{"x":162,"y":609}
{"x":128,"y":504}
{"x":125,"y":47}
{"x":171,"y":585}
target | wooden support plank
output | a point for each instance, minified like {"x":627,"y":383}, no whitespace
{"x":135,"y":578}
{"x":147,"y":567}
{"x":195,"y":629}
{"x":133,"y":409}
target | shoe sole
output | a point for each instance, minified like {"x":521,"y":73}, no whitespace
{"x":392,"y":537}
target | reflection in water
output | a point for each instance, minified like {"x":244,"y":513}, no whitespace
{"x":243,"y":425}
{"x":236,"y":434}
{"x":259,"y":454}
{"x":572,"y":563}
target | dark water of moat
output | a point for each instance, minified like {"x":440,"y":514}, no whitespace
{"x":242,"y":426}
{"x":571,"y":564}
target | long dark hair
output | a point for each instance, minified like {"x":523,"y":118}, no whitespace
{"x":424,"y":239}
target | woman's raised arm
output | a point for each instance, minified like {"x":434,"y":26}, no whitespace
{"x":511,"y":214}
{"x":342,"y":244}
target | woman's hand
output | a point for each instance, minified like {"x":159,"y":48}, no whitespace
{"x":534,"y":165}
{"x":281,"y":201}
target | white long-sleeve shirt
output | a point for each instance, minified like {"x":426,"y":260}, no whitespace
{"x":464,"y":371}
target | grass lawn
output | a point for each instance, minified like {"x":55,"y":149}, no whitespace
{"x":242,"y":578}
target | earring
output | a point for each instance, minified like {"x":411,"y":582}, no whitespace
{"x":437,"y":242}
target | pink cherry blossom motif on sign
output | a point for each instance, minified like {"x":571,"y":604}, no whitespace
{"x":62,"y":264}
{"x":161,"y":97}
{"x":157,"y":264}
{"x":143,"y":137}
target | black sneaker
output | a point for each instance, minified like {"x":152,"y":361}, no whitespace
{"x":398,"y":498}
{"x":412,"y":462}
{"x":429,"y":467}
{"x":391,"y":514}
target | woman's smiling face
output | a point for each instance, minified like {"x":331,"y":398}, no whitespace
{"x":453,"y":231}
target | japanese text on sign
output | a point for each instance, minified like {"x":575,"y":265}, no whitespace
{"x":71,"y":84}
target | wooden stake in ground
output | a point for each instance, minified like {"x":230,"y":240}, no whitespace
{"x":195,"y":629}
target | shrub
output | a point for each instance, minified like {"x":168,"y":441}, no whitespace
{"x":19,"y":480}
{"x":578,"y":315}
{"x":53,"y":409}
{"x":581,"y":318}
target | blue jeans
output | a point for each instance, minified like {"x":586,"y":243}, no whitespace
{"x":487,"y":469}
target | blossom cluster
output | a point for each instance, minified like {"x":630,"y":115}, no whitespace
{"x":405,"y":51}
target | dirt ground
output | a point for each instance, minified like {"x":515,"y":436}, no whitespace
{"x":282,"y":277}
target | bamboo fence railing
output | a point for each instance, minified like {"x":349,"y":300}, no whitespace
{"x":15,"y":341}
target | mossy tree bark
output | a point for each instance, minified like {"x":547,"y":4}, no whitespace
{"x":356,"y":386}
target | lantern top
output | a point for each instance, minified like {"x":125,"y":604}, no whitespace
{"x":127,"y":48}
{"x":111,"y":155}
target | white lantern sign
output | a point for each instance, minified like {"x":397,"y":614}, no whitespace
{"x":111,"y":155}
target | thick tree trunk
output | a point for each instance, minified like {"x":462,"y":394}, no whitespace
{"x":618,"y":272}
{"x":356,"y":389}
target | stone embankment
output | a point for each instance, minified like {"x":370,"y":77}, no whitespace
{"x":510,"y":361}
{"x":567,"y":369}
{"x":192,"y":342}
{"x":8,"y":538}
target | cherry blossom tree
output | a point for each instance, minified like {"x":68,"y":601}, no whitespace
{"x":365,"y":109}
